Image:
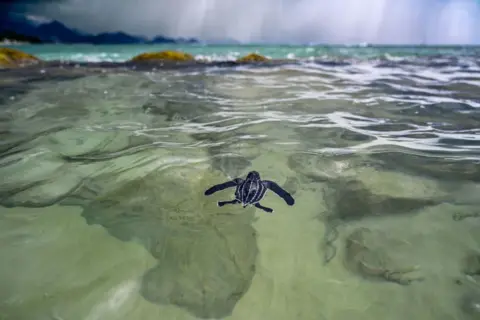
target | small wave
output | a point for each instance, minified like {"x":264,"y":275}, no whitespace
{"x":383,"y":56}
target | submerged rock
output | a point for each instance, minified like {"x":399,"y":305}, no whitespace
{"x":351,"y":200}
{"x":206,"y":254}
{"x":470,"y":304}
{"x":10,"y":57}
{"x":355,"y":188}
{"x":374,"y":254}
{"x":469,"y":299}
{"x":471,"y":264}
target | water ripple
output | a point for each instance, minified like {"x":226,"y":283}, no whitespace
{"x":417,"y":107}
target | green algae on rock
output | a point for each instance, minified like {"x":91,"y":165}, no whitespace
{"x":167,"y":55}
{"x":10,"y":57}
{"x":206,"y":254}
{"x":253,"y":57}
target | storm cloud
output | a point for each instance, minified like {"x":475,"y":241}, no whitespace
{"x":298,"y":21}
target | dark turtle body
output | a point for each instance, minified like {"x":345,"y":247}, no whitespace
{"x":250,"y":191}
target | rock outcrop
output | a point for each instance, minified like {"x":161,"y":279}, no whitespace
{"x":252,"y":57}
{"x":167,"y":55}
{"x":15,"y":58}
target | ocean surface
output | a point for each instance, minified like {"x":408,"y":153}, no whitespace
{"x":102,"y":207}
{"x":121,"y":53}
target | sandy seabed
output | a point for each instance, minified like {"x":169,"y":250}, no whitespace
{"x":56,"y":266}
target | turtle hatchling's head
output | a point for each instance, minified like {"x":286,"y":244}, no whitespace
{"x":253,"y":175}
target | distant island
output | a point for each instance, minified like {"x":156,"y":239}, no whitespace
{"x":9,"y":36}
{"x":22,"y":30}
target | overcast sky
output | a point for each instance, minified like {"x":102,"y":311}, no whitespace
{"x":325,"y":21}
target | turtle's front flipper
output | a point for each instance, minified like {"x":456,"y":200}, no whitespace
{"x":221,"y":186}
{"x":279,"y":191}
{"x":222,"y":203}
{"x":259,"y":206}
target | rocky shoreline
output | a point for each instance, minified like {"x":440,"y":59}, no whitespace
{"x":168,"y":59}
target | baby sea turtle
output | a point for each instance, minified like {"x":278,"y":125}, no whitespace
{"x":251,"y":191}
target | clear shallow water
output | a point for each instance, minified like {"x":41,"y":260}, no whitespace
{"x":103,"y":174}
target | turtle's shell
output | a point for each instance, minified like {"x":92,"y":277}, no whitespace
{"x":250,"y":191}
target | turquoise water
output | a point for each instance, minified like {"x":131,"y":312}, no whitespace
{"x":103,"y":214}
{"x":90,"y":53}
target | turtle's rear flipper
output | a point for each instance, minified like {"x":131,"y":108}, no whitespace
{"x":259,"y":206}
{"x":221,"y":186}
{"x":279,"y":191}
{"x":222,"y":203}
